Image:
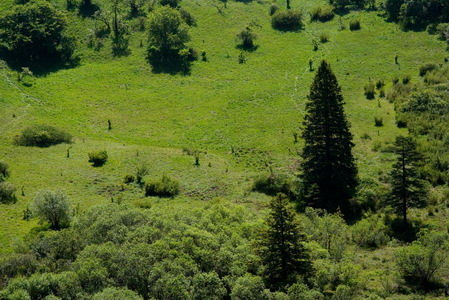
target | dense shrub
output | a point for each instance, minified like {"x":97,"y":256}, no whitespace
{"x":370,"y":232}
{"x":324,"y":37}
{"x":420,"y":263}
{"x":4,"y":171}
{"x":287,"y":20}
{"x":322,"y":13}
{"x":273,"y":9}
{"x":7,"y":193}
{"x":273,"y":184}
{"x":370,"y":91}
{"x":165,"y":187}
{"x":246,"y":38}
{"x":116,"y":294}
{"x":167,"y":35}
{"x":52,"y":207}
{"x":427,"y":68}
{"x":187,"y":17}
{"x":171,"y":3}
{"x":98,"y":158}
{"x":35,"y":32}
{"x":42,"y":136}
{"x":354,"y":25}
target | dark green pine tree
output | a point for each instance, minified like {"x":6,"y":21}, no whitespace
{"x":329,"y":173}
{"x":407,"y":188}
{"x":281,"y":246}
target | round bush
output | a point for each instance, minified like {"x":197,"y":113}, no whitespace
{"x":98,"y":158}
{"x":322,"y":13}
{"x":355,"y":25}
{"x":4,"y":171}
{"x":42,"y":136}
{"x":166,"y":187}
{"x":287,"y":20}
{"x":7,"y":193}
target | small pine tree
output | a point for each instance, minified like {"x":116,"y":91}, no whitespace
{"x":281,"y":248}
{"x":329,"y":174}
{"x":407,"y":188}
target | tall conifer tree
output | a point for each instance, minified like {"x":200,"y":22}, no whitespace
{"x":329,"y":171}
{"x":407,"y":187}
{"x":282,"y":249}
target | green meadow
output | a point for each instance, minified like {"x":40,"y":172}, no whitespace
{"x":242,"y":116}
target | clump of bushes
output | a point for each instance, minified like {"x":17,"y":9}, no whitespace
{"x":273,"y":9}
{"x":98,"y":158}
{"x":4,"y":171}
{"x":427,"y":68}
{"x":322,"y":13}
{"x":355,"y":25}
{"x":287,"y":20}
{"x":166,"y":187}
{"x":42,"y":136}
{"x":370,"y":91}
{"x":7,"y":193}
{"x":246,"y":38}
{"x":421,"y":263}
{"x":52,"y":207}
{"x":324,"y":37}
{"x":370,"y":232}
{"x":272,"y":184}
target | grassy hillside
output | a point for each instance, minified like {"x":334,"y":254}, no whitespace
{"x":253,"y":108}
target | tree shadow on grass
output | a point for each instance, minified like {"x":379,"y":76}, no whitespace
{"x":39,"y":68}
{"x":247,"y":48}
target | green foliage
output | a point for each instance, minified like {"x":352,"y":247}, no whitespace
{"x":423,"y":70}
{"x":208,"y":286}
{"x":421,"y":263}
{"x":273,"y":184}
{"x":370,"y":91}
{"x":322,"y":13}
{"x":35,"y":32}
{"x":329,"y":172}
{"x":281,"y":246}
{"x":287,"y":20}
{"x":4,"y":171}
{"x":246,"y":38}
{"x":354,"y":25}
{"x":42,"y":136}
{"x":7,"y":193}
{"x":407,"y":187}
{"x":98,"y":158}
{"x":328,"y":230}
{"x":249,"y":287}
{"x":167,"y":35}
{"x":52,"y":207}
{"x":171,"y":3}
{"x":187,"y":17}
{"x":370,"y":232}
{"x":116,"y":294}
{"x":166,"y":187}
{"x":273,"y":9}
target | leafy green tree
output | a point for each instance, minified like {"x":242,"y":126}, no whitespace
{"x":208,"y":286}
{"x":407,"y":188}
{"x":4,"y":171}
{"x":249,"y":287}
{"x":281,"y":246}
{"x":116,"y":294}
{"x":329,"y":172}
{"x":421,"y":263}
{"x":167,"y":35}
{"x":393,"y":8}
{"x":52,"y":207}
{"x":35,"y":32}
